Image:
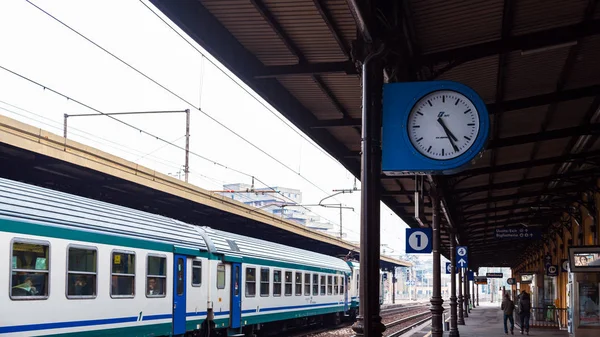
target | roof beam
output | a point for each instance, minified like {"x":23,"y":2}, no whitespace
{"x":336,"y":123}
{"x":530,"y":181}
{"x":333,"y":28}
{"x":543,"y":99}
{"x":346,"y":67}
{"x":588,"y":129}
{"x":517,"y":206}
{"x":543,"y":39}
{"x":530,"y":163}
{"x":398,"y":193}
{"x":529,"y":194}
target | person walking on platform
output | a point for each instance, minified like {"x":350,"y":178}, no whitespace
{"x":524,"y":307}
{"x":508,"y":307}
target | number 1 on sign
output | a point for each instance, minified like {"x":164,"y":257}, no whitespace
{"x":418,"y":240}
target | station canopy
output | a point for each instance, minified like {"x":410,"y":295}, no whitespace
{"x":534,"y":63}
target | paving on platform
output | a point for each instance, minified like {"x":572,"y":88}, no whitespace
{"x":486,"y":321}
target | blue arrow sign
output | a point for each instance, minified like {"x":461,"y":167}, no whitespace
{"x":462,"y":261}
{"x":418,"y":241}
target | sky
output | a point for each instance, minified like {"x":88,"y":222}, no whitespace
{"x":234,"y":134}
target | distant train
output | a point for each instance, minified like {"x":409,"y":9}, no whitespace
{"x":82,"y":267}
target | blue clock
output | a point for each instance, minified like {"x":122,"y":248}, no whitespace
{"x":435,"y":127}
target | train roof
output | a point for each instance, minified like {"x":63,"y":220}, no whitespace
{"x":24,"y":202}
{"x":37,"y":205}
{"x":250,"y":248}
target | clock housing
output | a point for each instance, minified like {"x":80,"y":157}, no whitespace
{"x":436,"y":127}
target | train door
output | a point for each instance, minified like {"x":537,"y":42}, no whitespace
{"x":179,"y":305}
{"x":236,"y":295}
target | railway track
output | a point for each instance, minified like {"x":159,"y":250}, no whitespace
{"x":399,"y":327}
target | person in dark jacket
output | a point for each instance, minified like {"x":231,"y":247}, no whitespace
{"x":508,"y":307}
{"x":524,"y":305}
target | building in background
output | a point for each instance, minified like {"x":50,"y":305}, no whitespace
{"x":281,"y":201}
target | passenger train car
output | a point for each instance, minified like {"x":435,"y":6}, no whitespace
{"x":77,"y":266}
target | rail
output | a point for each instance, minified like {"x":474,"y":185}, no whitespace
{"x":408,"y":319}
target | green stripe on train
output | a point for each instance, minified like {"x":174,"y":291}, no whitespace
{"x":264,"y":318}
{"x":50,"y":231}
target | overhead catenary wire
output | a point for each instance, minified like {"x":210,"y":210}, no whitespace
{"x":178,"y":96}
{"x":150,"y":134}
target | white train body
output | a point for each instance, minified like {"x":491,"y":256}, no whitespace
{"x":81,"y":267}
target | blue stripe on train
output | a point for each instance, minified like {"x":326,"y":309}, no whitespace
{"x":71,"y":324}
{"x":75,"y":324}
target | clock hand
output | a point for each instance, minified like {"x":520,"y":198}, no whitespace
{"x":448,"y":134}
{"x":446,"y":129}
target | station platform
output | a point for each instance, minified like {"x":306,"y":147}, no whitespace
{"x":486,"y":320}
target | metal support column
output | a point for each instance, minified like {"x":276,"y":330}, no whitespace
{"x":453,"y":318}
{"x":461,"y":315}
{"x":394,"y":286}
{"x":466,"y":291}
{"x":368,"y":322}
{"x":437,"y":329}
{"x":477,"y":287}
{"x":186,"y":167}
{"x":473,"y":293}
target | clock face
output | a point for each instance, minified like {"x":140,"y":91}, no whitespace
{"x":443,"y":125}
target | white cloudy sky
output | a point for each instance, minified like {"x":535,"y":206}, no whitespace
{"x":36,"y":46}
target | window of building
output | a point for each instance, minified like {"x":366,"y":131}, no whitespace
{"x":342,"y":281}
{"x":29,"y":269}
{"x":221,"y":276}
{"x":336,"y":286}
{"x":156,"y":278}
{"x":298,"y":284}
{"x":250,"y":282}
{"x":276,"y":282}
{"x":81,"y":272}
{"x":264,"y":281}
{"x":122,"y":274}
{"x":288,"y":283}
{"x":323,"y":285}
{"x":307,"y":284}
{"x":197,"y":273}
{"x":315,"y":284}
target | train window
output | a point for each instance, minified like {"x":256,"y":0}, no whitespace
{"x":264,"y":282}
{"x":29,"y":270}
{"x":342,"y":281}
{"x":315,"y":284}
{"x":329,"y":284}
{"x":307,"y":284}
{"x":81,"y":272}
{"x":221,"y":276}
{"x":323,"y":284}
{"x":288,"y":283}
{"x":196,"y":273}
{"x":298,"y":281}
{"x":122,"y":274}
{"x":250,"y":282}
{"x":276,"y":282}
{"x":156,"y":276}
{"x":336,"y":286}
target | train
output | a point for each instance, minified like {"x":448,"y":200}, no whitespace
{"x":83,"y":267}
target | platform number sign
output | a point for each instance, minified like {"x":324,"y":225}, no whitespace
{"x":449,"y":268}
{"x":462,"y":260}
{"x":418,"y":240}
